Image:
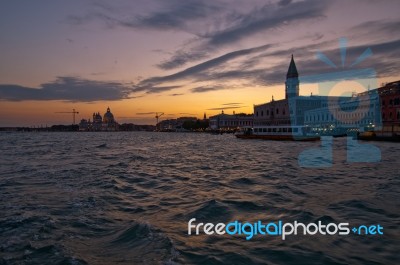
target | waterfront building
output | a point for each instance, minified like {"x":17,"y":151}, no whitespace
{"x":290,"y":110}
{"x":175,"y":125}
{"x":233,"y":121}
{"x":99,"y":123}
{"x":390,"y":107}
{"x":346,"y":113}
{"x":377,"y":110}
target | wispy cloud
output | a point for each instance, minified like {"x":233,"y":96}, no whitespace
{"x":67,"y":89}
{"x":232,"y":103}
{"x":176,"y":15}
{"x":214,"y":71}
{"x":186,"y":113}
{"x":202,"y":89}
{"x":150,"y":84}
{"x":145,"y":113}
{"x":224,"y":108}
{"x":152,"y":89}
{"x":244,"y":25}
{"x":212,"y":24}
{"x":169,"y":15}
{"x":211,"y":32}
{"x":270,"y":16}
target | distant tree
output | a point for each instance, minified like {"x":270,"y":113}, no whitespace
{"x":195,"y":125}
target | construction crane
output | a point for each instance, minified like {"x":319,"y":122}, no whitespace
{"x":73,"y":114}
{"x":158,"y":115}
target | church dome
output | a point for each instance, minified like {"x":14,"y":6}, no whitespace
{"x":108,"y":117}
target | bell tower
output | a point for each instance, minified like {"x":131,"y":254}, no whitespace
{"x":292,"y":81}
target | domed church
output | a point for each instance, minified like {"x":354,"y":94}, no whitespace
{"x":108,"y":117}
{"x":107,"y":123}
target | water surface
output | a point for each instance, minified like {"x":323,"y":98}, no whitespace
{"x":126,"y":198}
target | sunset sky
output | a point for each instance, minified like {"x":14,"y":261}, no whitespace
{"x":180,"y":57}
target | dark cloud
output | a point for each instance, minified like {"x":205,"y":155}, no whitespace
{"x":212,"y":23}
{"x":151,"y":89}
{"x":284,"y":2}
{"x":382,"y":61}
{"x":311,"y":69}
{"x":268,"y":17}
{"x":385,"y":27}
{"x":180,"y":58}
{"x":202,"y":89}
{"x":176,"y":15}
{"x":176,"y":94}
{"x":67,"y":89}
{"x":149,"y":84}
{"x":171,"y":15}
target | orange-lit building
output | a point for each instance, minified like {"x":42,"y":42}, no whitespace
{"x":390,"y":106}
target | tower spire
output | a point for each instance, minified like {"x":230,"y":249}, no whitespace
{"x":292,"y":71}
{"x":292,"y":80}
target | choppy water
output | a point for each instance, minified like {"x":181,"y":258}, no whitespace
{"x":126,"y":198}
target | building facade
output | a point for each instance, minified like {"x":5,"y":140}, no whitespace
{"x":377,"y":110}
{"x":361,"y":111}
{"x":390,"y":106}
{"x":230,"y":121}
{"x":292,"y":109}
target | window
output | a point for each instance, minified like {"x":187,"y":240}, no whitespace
{"x":295,"y":130}
{"x":262,"y":113}
{"x":277,"y":111}
{"x":267,"y":112}
{"x":264,"y":129}
{"x":257,"y":113}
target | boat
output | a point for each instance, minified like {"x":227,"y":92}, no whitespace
{"x":278,"y":133}
{"x":378,"y":136}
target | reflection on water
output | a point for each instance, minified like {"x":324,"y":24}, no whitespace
{"x":126,"y":198}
